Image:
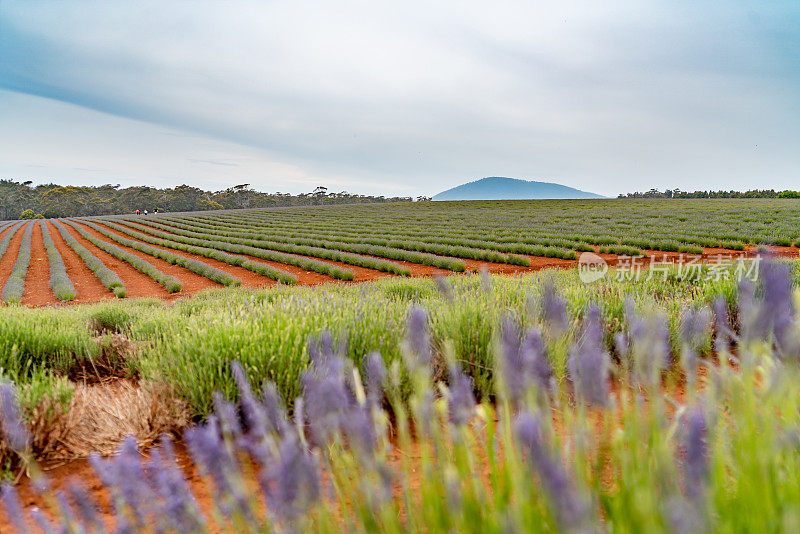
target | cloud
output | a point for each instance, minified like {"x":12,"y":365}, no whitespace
{"x":604,"y":97}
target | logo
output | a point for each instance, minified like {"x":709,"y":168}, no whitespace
{"x":591,"y":267}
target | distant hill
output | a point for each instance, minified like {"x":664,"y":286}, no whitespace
{"x":501,"y":188}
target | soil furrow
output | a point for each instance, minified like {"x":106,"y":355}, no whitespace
{"x":37,"y":283}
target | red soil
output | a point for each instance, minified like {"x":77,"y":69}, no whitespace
{"x":37,"y":282}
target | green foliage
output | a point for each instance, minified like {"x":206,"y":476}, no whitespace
{"x":54,"y":201}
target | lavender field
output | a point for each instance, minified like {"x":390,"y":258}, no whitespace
{"x":472,"y":403}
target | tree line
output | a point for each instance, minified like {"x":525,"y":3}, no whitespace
{"x":25,"y":201}
{"x":677,"y":193}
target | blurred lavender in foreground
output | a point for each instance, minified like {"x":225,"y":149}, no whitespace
{"x":588,"y":363}
{"x":524,"y":364}
{"x":571,"y":509}
{"x":417,"y":341}
{"x":553,"y":309}
{"x":14,"y":429}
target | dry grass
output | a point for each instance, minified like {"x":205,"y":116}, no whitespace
{"x":100,"y":415}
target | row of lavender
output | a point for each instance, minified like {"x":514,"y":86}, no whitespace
{"x":615,"y":446}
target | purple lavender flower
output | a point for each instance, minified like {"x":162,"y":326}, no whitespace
{"x":125,"y":474}
{"x":444,"y":287}
{"x":326,"y":399}
{"x":621,"y":345}
{"x":524,"y":364}
{"x":228,"y":416}
{"x":65,"y":512}
{"x":486,"y":280}
{"x":554,"y":309}
{"x":13,"y":508}
{"x":375,"y":377}
{"x":255,"y":416}
{"x":212,"y":456}
{"x":291,"y":485}
{"x":274,"y":410}
{"x":417,"y":340}
{"x":650,"y":347}
{"x":694,"y":326}
{"x":588,"y":363}
{"x":177,"y":507}
{"x":722,"y":325}
{"x":461,"y":401}
{"x":572,"y":511}
{"x":696,"y":463}
{"x":14,"y":428}
{"x":44,"y":524}
{"x":323,"y":354}
{"x":537,"y":366}
{"x":778,"y":307}
{"x":85,"y":504}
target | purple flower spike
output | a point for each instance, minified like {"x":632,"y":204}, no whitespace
{"x":694,"y":326}
{"x":461,"y":401}
{"x":536,"y":363}
{"x":13,"y":508}
{"x":227,"y":414}
{"x":444,"y":287}
{"x":696,"y":463}
{"x":178,"y":510}
{"x":571,"y":509}
{"x":85,"y":504}
{"x":722,"y":325}
{"x":554,"y":308}
{"x":375,"y":377}
{"x":778,"y":306}
{"x":13,"y":427}
{"x":524,"y":364}
{"x":291,"y":485}
{"x":417,"y":340}
{"x":588,"y":363}
{"x":274,"y":410}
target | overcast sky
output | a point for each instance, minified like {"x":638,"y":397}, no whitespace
{"x":401,"y":97}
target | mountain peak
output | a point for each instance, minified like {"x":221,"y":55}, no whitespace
{"x":503,"y":188}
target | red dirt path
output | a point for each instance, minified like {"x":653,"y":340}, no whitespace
{"x":37,"y":282}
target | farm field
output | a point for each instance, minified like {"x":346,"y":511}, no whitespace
{"x":174,"y":255}
{"x":510,"y":397}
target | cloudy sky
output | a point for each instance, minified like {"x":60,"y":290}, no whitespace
{"x":401,"y":97}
